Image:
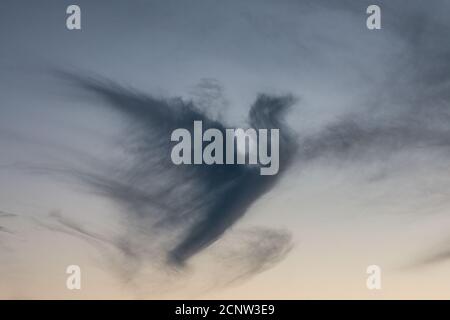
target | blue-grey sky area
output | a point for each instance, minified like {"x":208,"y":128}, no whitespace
{"x":85,"y":170}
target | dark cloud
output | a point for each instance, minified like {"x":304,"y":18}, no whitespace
{"x":183,"y":208}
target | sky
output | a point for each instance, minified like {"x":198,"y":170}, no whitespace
{"x":85,"y":122}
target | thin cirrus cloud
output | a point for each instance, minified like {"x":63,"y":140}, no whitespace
{"x":184,"y":209}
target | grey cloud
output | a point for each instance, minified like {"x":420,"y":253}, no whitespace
{"x":251,"y":251}
{"x":4,"y":214}
{"x":432,"y":259}
{"x":185,"y":208}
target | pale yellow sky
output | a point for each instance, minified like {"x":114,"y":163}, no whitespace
{"x":335,"y":239}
